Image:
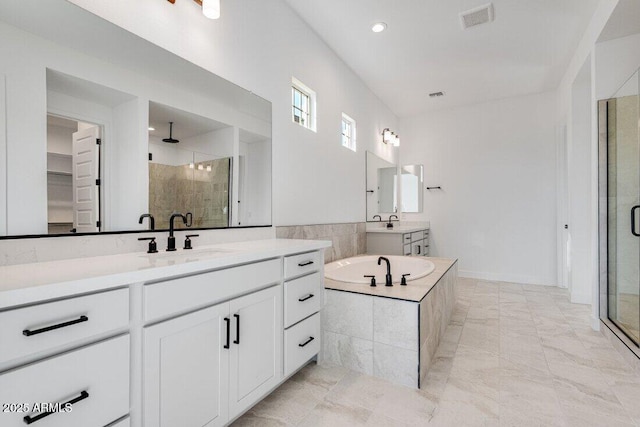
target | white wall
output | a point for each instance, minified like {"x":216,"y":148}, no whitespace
{"x":496,"y":164}
{"x":616,"y":61}
{"x":582,"y":216}
{"x":260,"y":45}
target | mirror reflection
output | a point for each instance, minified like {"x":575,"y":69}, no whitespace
{"x":412,"y":188}
{"x":382,"y":186}
{"x":82,"y":124}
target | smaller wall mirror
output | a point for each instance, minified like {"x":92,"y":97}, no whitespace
{"x":382,"y":185}
{"x":411,"y":184}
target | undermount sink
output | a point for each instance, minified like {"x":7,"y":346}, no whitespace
{"x":193,"y":253}
{"x":353,"y":270}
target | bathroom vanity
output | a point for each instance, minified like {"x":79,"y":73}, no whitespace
{"x":399,"y":240}
{"x":190,"y":338}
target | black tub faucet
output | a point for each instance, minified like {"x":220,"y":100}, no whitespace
{"x":186,"y":219}
{"x":388,"y":280}
{"x":152,"y":221}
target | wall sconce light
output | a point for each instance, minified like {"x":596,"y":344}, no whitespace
{"x":191,"y":166}
{"x":210,"y":8}
{"x":208,"y":168}
{"x":391,"y":138}
{"x":200,"y":167}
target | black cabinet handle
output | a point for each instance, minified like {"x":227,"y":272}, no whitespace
{"x":28,"y":333}
{"x":228,"y":321}
{"x":306,"y":342}
{"x":418,"y":249}
{"x":29,"y":419}
{"x":633,"y":220}
{"x":237,"y":340}
{"x":304,"y":264}
{"x":306,"y":298}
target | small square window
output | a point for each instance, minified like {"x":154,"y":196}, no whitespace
{"x":348,"y":132}
{"x":303,"y":105}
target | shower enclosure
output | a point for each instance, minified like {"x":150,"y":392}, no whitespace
{"x":620,"y":209}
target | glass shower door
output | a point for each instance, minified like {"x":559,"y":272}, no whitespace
{"x":623,"y":208}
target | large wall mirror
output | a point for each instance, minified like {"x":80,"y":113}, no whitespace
{"x":97,"y":130}
{"x":382,"y":187}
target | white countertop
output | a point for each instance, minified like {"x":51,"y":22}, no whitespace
{"x":27,"y":283}
{"x":396,"y":229}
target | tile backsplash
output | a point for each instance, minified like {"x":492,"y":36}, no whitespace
{"x":348,"y":239}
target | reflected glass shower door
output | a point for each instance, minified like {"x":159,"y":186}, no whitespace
{"x":623,"y":209}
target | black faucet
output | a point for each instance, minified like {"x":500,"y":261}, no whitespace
{"x":186,"y":219}
{"x":379,"y":218}
{"x":389,"y":225}
{"x":152,"y":221}
{"x":388,"y":281}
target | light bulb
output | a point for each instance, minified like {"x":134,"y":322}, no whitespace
{"x":211,"y":8}
{"x":200,"y":167}
{"x":387,"y":135}
{"x":191,"y":166}
{"x":378,"y":27}
{"x":208,"y":168}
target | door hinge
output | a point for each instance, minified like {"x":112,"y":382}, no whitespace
{"x":97,"y":181}
{"x":150,"y":156}
{"x":98,"y":224}
{"x":98,"y":141}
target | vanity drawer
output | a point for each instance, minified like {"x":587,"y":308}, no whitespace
{"x":302,"y":298}
{"x":296,"y":265}
{"x":406,"y":238}
{"x":301,"y":343}
{"x":97,"y":375}
{"x":425,"y":234}
{"x":407,"y":250}
{"x":43,"y":327}
{"x":417,"y":235}
{"x":162,"y":299}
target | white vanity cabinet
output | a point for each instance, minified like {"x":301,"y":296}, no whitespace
{"x":207,"y":367}
{"x":72,"y":351}
{"x":303,"y":299}
{"x":161,"y":342}
{"x":401,"y":241}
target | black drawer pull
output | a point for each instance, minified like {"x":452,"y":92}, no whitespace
{"x":29,"y":419}
{"x":237,"y":340}
{"x":28,"y":333}
{"x":228,"y":322}
{"x":304,"y":264}
{"x":306,"y":298}
{"x":306,"y":342}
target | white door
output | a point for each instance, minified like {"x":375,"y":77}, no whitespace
{"x":563,"y":212}
{"x":256,"y":347}
{"x":186,"y":370}
{"x":86,"y":172}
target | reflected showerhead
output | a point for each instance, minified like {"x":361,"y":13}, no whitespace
{"x":171,"y":140}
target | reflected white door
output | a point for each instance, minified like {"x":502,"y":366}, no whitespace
{"x":86,"y":192}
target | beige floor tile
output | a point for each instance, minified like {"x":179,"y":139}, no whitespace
{"x":513,"y":355}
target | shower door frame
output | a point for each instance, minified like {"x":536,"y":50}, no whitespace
{"x":603,"y":221}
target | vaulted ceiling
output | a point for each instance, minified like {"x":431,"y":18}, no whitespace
{"x":424,"y":49}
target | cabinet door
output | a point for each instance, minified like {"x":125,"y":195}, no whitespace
{"x":256,"y":347}
{"x":186,"y":370}
{"x":417,"y":248}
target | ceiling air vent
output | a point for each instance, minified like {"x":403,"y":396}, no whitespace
{"x":477,"y":16}
{"x":436,"y":94}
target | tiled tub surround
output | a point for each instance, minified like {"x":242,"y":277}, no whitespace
{"x":389,"y":332}
{"x":348,"y":240}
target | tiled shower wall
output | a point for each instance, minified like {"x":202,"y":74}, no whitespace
{"x":348,"y":239}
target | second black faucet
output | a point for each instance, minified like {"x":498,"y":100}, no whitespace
{"x":186,"y":219}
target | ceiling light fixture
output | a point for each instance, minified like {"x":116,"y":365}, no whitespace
{"x":378,"y":27}
{"x":210,"y":8}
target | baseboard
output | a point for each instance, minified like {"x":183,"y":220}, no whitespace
{"x":511,"y":278}
{"x":580,"y":298}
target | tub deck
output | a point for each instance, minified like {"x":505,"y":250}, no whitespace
{"x":415,"y":290}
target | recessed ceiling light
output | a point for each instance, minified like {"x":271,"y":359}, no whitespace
{"x":378,"y":27}
{"x":150,"y":128}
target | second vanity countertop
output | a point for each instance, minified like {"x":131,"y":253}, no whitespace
{"x":397,"y":230}
{"x":27,"y":283}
